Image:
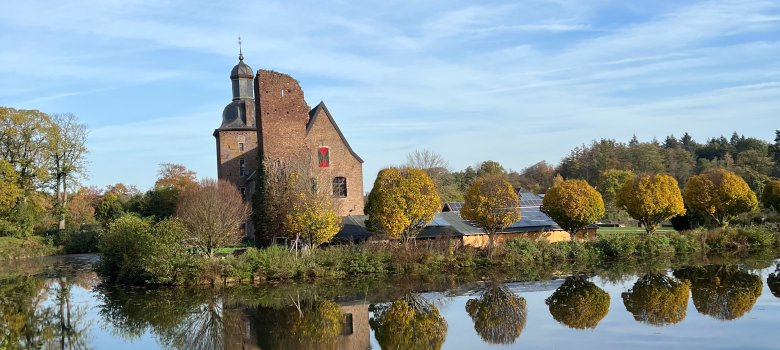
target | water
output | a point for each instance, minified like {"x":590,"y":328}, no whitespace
{"x":58,"y":302}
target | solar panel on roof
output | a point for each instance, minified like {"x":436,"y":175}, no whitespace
{"x":455,"y":206}
{"x":533,"y":217}
{"x":528,"y":199}
{"x":438,"y":220}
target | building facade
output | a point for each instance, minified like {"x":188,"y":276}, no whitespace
{"x":268,"y":113}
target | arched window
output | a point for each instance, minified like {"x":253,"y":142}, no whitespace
{"x":340,"y":186}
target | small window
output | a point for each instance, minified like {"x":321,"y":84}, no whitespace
{"x":243,"y":192}
{"x":340,"y":186}
{"x":346,"y":325}
{"x":241,"y":167}
{"x":240,"y":146}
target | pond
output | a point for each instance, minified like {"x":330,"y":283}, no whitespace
{"x":58,"y":302}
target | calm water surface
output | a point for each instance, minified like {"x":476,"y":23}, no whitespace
{"x":58,"y":302}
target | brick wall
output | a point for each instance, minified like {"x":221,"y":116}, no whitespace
{"x":282,"y":115}
{"x":229,"y":155}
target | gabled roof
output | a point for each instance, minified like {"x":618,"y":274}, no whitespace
{"x":312,"y":118}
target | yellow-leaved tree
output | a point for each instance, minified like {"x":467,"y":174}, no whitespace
{"x":492,"y":204}
{"x":720,"y":195}
{"x":401,"y":203}
{"x":573,"y":204}
{"x":651,"y":199}
{"x":313,"y":219}
{"x":771,"y":195}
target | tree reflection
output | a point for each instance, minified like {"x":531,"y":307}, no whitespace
{"x":773,"y":281}
{"x":658,"y":299}
{"x":305,"y":324}
{"x":722,"y":292}
{"x":38,"y":314}
{"x":499,"y":315}
{"x":578,"y":303}
{"x":408,"y":323}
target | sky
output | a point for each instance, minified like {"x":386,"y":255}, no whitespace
{"x":512,"y":81}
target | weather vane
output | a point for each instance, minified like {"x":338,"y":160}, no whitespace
{"x":240,"y":52}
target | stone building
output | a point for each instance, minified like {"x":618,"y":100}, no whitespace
{"x":269,"y":113}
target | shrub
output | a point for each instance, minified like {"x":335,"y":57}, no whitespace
{"x":83,"y":240}
{"x":617,"y":245}
{"x":125,"y":247}
{"x":656,"y":245}
{"x":520,"y":252}
{"x":363,"y":261}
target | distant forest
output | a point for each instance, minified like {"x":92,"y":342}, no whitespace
{"x":754,"y":159}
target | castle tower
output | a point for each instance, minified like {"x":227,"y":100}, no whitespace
{"x":237,"y":136}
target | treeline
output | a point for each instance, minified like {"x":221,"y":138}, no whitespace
{"x":753,"y":159}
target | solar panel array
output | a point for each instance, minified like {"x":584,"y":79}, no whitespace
{"x":438,"y":220}
{"x":532,"y":217}
{"x":455,"y":206}
{"x":528,"y":199}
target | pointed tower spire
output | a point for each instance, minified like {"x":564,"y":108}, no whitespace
{"x":240,"y":52}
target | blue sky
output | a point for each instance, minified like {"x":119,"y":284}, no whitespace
{"x":516,"y":81}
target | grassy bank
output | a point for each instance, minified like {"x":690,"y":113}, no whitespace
{"x":19,"y":248}
{"x":517,"y":257}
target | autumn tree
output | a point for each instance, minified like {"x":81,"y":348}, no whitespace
{"x":658,"y":299}
{"x":313,"y":219}
{"x":213,"y":213}
{"x":573,"y":204}
{"x":499,"y":315}
{"x":408,"y":323}
{"x":9,"y":187}
{"x":720,"y":195}
{"x":307,"y":323}
{"x":176,"y":176}
{"x":492,"y":204}
{"x":651,"y":199}
{"x":610,"y":182}
{"x":578,"y":303}
{"x":401,"y":203}
{"x":537,"y":178}
{"x":771,"y":196}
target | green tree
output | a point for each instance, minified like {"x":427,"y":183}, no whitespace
{"x":492,"y":204}
{"x":67,"y":153}
{"x":573,"y":204}
{"x":213,"y":213}
{"x":651,"y":199}
{"x":125,"y":246}
{"x":578,"y":303}
{"x":720,"y":195}
{"x":9,"y":187}
{"x":722,"y":292}
{"x":401,"y":203}
{"x":109,"y":209}
{"x":771,"y":196}
{"x":499,"y":316}
{"x":408,"y":323}
{"x":610,"y":182}
{"x":658,"y":299}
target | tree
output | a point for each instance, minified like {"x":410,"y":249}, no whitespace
{"x":658,"y":299}
{"x":492,"y":204}
{"x":213,"y":213}
{"x":499,"y":315}
{"x":313,"y":219}
{"x":573,"y":204}
{"x":720,"y":195}
{"x":537,"y":178}
{"x":401,"y":203}
{"x":610,"y":182}
{"x":109,"y":209}
{"x":427,"y":160}
{"x":651,"y":200}
{"x":67,"y":152}
{"x":176,"y":176}
{"x":408,"y":323}
{"x":9,"y":187}
{"x":771,"y":196}
{"x":578,"y":303}
{"x":490,"y":167}
{"x":23,"y":143}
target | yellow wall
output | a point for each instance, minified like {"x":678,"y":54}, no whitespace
{"x":481,"y":241}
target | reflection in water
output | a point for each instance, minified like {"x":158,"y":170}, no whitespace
{"x":658,"y":299}
{"x":499,"y":315}
{"x":38,"y":314}
{"x":578,"y":303}
{"x":773,"y":281}
{"x":308,"y":324}
{"x":411,"y":323}
{"x":722,"y":292}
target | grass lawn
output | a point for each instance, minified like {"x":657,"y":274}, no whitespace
{"x":227,"y":250}
{"x":615,"y":230}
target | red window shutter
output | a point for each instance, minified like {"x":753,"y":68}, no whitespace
{"x":323,"y":157}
